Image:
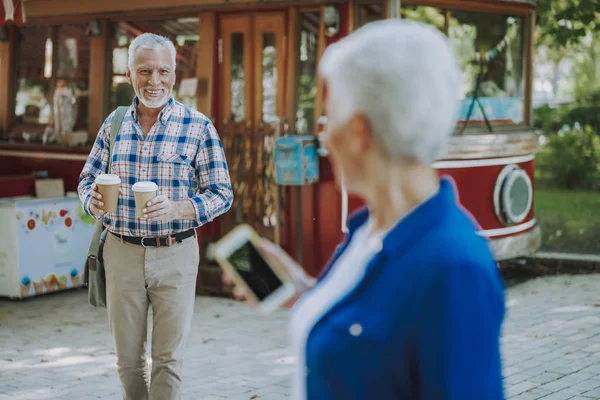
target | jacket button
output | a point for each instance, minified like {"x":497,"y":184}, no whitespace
{"x":356,"y":329}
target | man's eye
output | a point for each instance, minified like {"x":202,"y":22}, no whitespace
{"x":164,"y":71}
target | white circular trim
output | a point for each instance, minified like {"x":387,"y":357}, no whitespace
{"x":508,"y":230}
{"x":512,"y":177}
{"x":501,"y":198}
{"x":498,"y":192}
{"x":486,"y":162}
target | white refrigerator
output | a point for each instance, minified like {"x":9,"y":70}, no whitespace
{"x":43,"y":245}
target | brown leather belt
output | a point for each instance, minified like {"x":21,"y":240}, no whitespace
{"x":167,"y":241}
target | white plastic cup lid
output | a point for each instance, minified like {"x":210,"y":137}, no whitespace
{"x":108,"y":179}
{"x":145,"y":187}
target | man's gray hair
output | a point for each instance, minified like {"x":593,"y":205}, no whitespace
{"x":150,"y":41}
{"x":403,"y":77}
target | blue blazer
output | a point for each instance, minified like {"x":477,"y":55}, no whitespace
{"x":431,"y":307}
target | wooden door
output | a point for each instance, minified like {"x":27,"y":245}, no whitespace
{"x":251,"y":57}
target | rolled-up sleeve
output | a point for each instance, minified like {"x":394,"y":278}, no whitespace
{"x":96,"y":164}
{"x":215,"y":195}
{"x":458,"y":349}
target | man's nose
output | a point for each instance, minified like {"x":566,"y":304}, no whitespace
{"x":155,"y":78}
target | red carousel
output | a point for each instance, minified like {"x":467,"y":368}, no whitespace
{"x":490,"y":156}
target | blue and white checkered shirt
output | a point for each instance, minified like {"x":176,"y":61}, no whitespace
{"x":182,"y":154}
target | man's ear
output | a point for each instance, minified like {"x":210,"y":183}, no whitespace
{"x":128,"y":75}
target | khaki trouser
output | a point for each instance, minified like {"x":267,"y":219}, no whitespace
{"x":164,"y":278}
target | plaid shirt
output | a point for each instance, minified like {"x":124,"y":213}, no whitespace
{"x":182,"y":154}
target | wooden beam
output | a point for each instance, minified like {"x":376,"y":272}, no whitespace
{"x":8,"y":87}
{"x":320,"y":86}
{"x":38,"y":11}
{"x":521,"y":8}
{"x":352,"y":16}
{"x":529,"y":55}
{"x":293,"y":36}
{"x":99,"y":80}
{"x":205,"y":63}
{"x":294,"y":218}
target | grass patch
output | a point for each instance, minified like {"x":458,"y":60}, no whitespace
{"x":570,"y":220}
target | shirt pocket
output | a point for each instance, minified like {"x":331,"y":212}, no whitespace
{"x":176,"y":171}
{"x":171,"y":158}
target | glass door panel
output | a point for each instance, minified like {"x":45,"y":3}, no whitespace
{"x":269,"y":47}
{"x":251,"y":57}
{"x":235,"y":56}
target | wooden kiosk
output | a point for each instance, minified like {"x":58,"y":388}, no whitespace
{"x":251,"y":66}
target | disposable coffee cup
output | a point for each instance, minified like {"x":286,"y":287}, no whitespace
{"x":108,"y":186}
{"x":143,"y":192}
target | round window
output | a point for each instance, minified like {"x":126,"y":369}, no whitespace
{"x":513,"y":195}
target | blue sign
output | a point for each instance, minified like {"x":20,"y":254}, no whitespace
{"x":296,"y":160}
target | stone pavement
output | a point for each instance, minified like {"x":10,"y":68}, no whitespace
{"x":58,"y":347}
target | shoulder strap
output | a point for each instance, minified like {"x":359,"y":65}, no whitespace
{"x":114,"y":131}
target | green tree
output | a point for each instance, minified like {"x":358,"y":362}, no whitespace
{"x":566,"y":22}
{"x":587,"y":67}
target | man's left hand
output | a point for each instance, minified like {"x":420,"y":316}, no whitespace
{"x":161,"y":208}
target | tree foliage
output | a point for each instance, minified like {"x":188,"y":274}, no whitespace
{"x":562,"y":23}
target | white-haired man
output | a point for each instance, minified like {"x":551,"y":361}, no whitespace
{"x":152,"y":261}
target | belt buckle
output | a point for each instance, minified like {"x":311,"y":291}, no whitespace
{"x":142,"y":241}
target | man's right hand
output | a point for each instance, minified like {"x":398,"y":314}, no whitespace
{"x":96,"y":203}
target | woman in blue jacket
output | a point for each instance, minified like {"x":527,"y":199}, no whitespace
{"x":411,"y":304}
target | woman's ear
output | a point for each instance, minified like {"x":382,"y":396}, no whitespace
{"x":362,"y":136}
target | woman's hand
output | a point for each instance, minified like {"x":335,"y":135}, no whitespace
{"x":275,"y":255}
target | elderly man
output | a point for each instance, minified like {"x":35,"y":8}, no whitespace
{"x":153,"y":260}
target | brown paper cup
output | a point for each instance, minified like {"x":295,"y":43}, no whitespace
{"x":38,"y":287}
{"x":143,"y":192}
{"x":76,"y":280}
{"x":108,"y":186}
{"x":25,"y":289}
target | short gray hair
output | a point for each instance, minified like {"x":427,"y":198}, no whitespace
{"x":150,"y":41}
{"x":404,"y":78}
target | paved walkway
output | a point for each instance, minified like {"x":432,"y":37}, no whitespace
{"x":57,"y":347}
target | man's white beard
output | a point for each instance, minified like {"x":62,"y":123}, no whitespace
{"x":153,"y":103}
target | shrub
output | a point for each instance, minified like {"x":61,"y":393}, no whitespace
{"x":584,"y":114}
{"x":585,"y":111}
{"x":548,"y":119}
{"x":570,"y":159}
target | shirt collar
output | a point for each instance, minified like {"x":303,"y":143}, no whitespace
{"x":164,"y":114}
{"x":419,"y":220}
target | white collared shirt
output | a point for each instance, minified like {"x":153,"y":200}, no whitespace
{"x":347,"y":272}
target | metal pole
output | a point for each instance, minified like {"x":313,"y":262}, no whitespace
{"x":298,"y":234}
{"x":393,"y":8}
{"x":277,"y":232}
